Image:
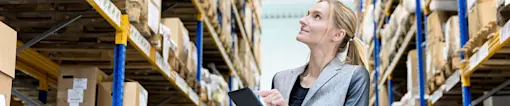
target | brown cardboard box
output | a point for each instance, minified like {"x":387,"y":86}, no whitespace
{"x":473,"y":21}
{"x":5,"y":90}
{"x":136,"y":9}
{"x":179,"y":34}
{"x":452,"y":35}
{"x":192,"y":59}
{"x":7,"y":61}
{"x":383,"y":96}
{"x":488,"y":11}
{"x":134,"y":94}
{"x":76,"y":79}
{"x":412,"y":71}
{"x":483,"y":12}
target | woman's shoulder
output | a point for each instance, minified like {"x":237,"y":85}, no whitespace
{"x":359,"y":72}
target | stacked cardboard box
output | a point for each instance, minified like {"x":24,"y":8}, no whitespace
{"x":134,"y":94}
{"x":452,"y":39}
{"x":481,"y":17}
{"x":225,"y":33}
{"x":7,"y":62}
{"x":438,"y":55}
{"x":191,"y":66}
{"x":412,"y":73}
{"x":179,"y":34}
{"x":77,"y":85}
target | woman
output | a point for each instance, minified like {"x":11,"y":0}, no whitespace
{"x":335,"y":74}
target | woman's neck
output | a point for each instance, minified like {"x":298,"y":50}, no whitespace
{"x":319,"y":58}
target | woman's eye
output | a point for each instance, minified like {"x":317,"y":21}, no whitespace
{"x":317,"y":16}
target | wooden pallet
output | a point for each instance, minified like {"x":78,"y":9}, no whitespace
{"x":485,"y":33}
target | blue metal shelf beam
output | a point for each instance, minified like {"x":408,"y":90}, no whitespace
{"x":419,"y":36}
{"x":466,"y":84}
{"x":376,"y":58}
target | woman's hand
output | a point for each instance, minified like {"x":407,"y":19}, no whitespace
{"x":272,"y":97}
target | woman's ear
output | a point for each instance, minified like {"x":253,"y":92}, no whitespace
{"x":339,"y":35}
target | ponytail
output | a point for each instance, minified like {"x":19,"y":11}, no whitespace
{"x":356,"y":53}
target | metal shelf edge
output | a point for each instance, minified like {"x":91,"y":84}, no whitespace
{"x":410,"y":34}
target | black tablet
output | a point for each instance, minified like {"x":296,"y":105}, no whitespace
{"x":244,"y":97}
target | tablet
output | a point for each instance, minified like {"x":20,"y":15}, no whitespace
{"x":244,"y":97}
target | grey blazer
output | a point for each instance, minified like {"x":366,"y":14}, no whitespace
{"x":338,"y":84}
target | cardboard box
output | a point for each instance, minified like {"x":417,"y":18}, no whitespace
{"x":179,"y":34}
{"x":7,"y":61}
{"x":77,"y":84}
{"x":452,"y":35}
{"x":483,"y":12}
{"x":488,"y":11}
{"x":473,"y":22}
{"x":136,"y":9}
{"x":5,"y":90}
{"x":412,"y":71}
{"x":134,"y":94}
{"x":383,"y":96}
{"x":192,"y":59}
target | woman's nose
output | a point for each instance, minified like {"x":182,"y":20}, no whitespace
{"x":302,"y":21}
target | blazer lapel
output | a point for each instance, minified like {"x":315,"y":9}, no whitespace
{"x":328,"y":72}
{"x":290,"y":80}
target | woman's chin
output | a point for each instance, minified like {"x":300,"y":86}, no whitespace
{"x":301,"y":38}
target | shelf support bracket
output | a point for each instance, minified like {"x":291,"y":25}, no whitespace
{"x":490,"y":93}
{"x":47,"y":33}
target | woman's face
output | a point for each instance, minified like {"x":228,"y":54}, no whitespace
{"x":314,"y":26}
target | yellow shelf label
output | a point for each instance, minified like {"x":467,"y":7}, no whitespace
{"x":139,"y":41}
{"x":478,"y":57}
{"x":504,"y":33}
{"x":108,"y":10}
{"x":193,"y":96}
{"x":181,"y":84}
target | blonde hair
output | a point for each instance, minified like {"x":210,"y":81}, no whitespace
{"x":344,"y":18}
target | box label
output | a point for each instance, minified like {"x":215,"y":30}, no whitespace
{"x":139,"y":41}
{"x":505,"y":34}
{"x":154,"y":17}
{"x":75,"y":95}
{"x":110,"y":10}
{"x":470,"y":4}
{"x":143,"y":97}
{"x":2,"y":100}
{"x":80,"y":83}
{"x":165,"y":32}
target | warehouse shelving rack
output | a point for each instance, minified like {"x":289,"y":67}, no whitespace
{"x":484,"y":71}
{"x":133,"y":58}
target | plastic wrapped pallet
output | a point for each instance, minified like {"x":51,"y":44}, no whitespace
{"x":368,"y":25}
{"x":443,"y":5}
{"x":410,"y":5}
